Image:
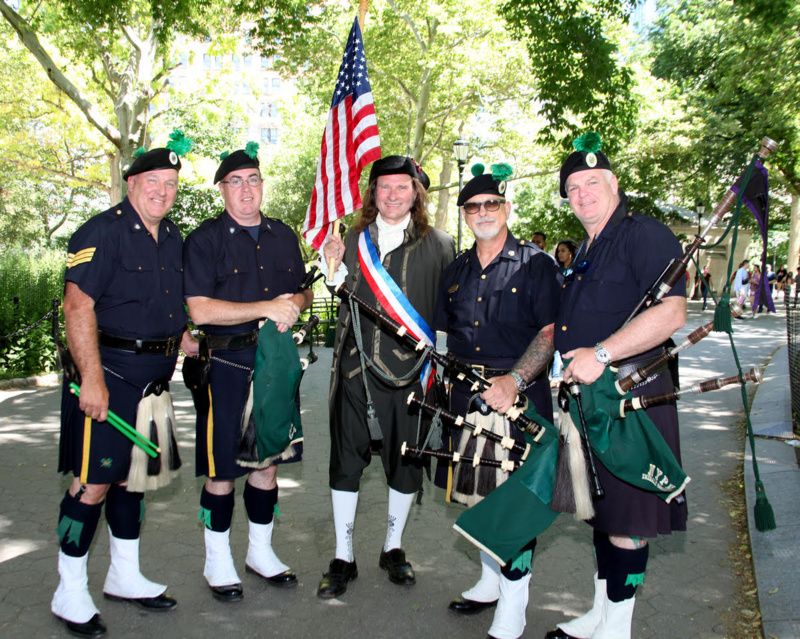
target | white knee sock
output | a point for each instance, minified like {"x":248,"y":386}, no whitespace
{"x":488,"y":587}
{"x":344,"y":520}
{"x":399,"y":506}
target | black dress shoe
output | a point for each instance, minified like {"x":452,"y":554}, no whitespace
{"x":231,"y":592}
{"x":92,"y":628}
{"x":285,"y":579}
{"x":558,"y":634}
{"x":400,"y":571}
{"x":334,"y":582}
{"x":465,"y":606}
{"x":161,"y":603}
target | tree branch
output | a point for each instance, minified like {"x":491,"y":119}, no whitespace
{"x":32,"y":43}
{"x":407,"y":19}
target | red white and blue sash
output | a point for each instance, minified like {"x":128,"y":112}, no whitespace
{"x":393,"y":300}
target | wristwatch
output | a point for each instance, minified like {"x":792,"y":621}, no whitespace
{"x":601,"y":354}
{"x":521,"y":385}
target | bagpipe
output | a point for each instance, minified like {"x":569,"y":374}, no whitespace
{"x":151,"y":466}
{"x":271,"y":428}
{"x":458,"y":370}
{"x":663,"y":284}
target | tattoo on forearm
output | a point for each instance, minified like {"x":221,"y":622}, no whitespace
{"x":537,"y":356}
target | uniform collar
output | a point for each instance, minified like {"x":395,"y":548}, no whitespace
{"x":510,"y":250}
{"x":126,"y":211}
{"x":620,"y":213}
{"x":232,"y":225}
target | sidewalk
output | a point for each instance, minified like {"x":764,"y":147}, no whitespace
{"x":689,"y":588}
{"x":776,"y":554}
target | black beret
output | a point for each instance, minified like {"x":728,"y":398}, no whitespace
{"x":395,"y":165}
{"x":482,"y":184}
{"x":581,"y":161}
{"x":235,"y":161}
{"x":153,"y":160}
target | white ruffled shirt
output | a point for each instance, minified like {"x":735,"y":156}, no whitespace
{"x":390,"y":236}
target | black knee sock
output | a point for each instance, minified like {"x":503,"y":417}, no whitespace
{"x":522,"y":565}
{"x":625,"y":571}
{"x":216,"y":511}
{"x":124,"y":512}
{"x":77,"y":523}
{"x":601,"y":551}
{"x":259,"y":503}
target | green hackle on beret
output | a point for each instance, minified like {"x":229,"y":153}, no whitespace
{"x":139,"y":152}
{"x":589,"y":142}
{"x":179,"y":143}
{"x":502,"y":171}
{"x":477,"y":169}
{"x":251,"y":150}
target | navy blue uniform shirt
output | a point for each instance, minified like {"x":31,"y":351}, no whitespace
{"x":136,"y":283}
{"x":491,"y":315}
{"x":623,"y":262}
{"x":222,"y":261}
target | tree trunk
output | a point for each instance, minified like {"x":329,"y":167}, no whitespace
{"x":794,"y":235}
{"x":443,"y":201}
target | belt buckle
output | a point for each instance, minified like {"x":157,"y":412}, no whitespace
{"x":479,"y":368}
{"x":171,"y":346}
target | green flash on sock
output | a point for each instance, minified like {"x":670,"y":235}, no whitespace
{"x":204,"y":517}
{"x":141,"y":511}
{"x":276,"y":511}
{"x":635,"y":579}
{"x":523,"y":562}
{"x":71,"y":529}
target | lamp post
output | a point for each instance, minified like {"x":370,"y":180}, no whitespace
{"x":700,"y":208}
{"x":460,"y":151}
{"x":698,"y":276}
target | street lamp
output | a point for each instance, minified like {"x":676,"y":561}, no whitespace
{"x":460,"y":151}
{"x":700,"y":208}
{"x":698,"y":283}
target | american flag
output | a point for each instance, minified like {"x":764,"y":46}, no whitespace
{"x":350,"y":142}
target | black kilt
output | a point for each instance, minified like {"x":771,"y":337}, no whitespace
{"x":96,"y":452}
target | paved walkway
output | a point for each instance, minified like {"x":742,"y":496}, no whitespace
{"x":689,"y":585}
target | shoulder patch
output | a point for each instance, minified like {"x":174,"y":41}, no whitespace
{"x":81,"y":257}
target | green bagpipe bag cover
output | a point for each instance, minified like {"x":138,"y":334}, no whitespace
{"x":519,"y":509}
{"x":630,"y":447}
{"x":276,"y":378}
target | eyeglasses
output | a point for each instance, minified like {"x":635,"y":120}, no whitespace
{"x":490,"y":206}
{"x":236,"y":182}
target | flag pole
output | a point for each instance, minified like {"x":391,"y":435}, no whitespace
{"x":363,"y":5}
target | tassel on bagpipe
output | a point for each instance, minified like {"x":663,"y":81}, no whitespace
{"x":459,"y":421}
{"x":504,"y":464}
{"x":754,"y":375}
{"x":460,"y":371}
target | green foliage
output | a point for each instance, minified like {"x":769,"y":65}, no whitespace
{"x":735,"y":66}
{"x":28,"y":284}
{"x":193,"y":205}
{"x":582,"y":79}
{"x":535,"y":210}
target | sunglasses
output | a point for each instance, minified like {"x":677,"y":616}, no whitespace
{"x":490,"y":206}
